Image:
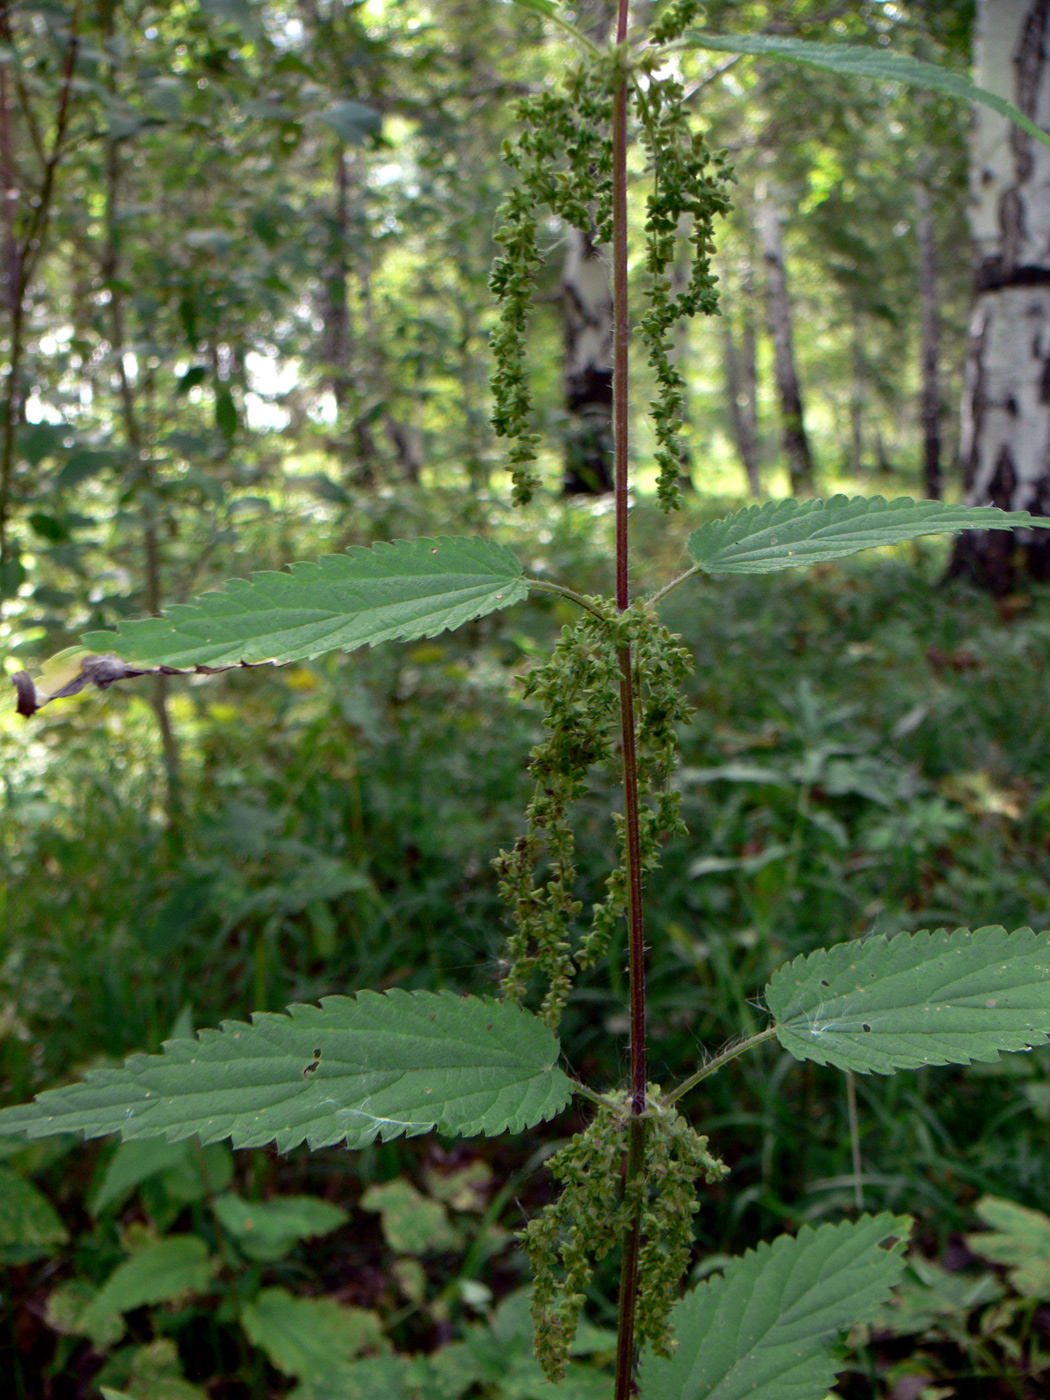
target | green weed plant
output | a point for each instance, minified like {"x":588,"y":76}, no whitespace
{"x":363,"y":1070}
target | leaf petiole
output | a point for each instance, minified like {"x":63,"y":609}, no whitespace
{"x":719,"y":1060}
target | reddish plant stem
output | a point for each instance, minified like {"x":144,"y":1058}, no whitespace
{"x":628,"y":1305}
{"x":625,"y":1350}
{"x":621,"y":341}
{"x":621,"y":324}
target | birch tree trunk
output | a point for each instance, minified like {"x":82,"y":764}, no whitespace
{"x":930,"y":403}
{"x":781,"y":331}
{"x":858,"y":394}
{"x":588,"y":326}
{"x":1005,"y":427}
{"x":741,"y":379}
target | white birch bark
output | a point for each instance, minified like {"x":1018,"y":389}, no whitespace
{"x":782,"y":334}
{"x":1005,"y":421}
{"x":741,"y":379}
{"x":588,"y":326}
{"x":930,"y":406}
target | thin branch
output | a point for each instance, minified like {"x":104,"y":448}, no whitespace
{"x":29,"y":252}
{"x":636,"y":1128}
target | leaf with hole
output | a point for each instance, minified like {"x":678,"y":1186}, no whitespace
{"x":791,"y":534}
{"x":350,"y":1070}
{"x":762,"y":1330}
{"x":881,"y":1004}
{"x":865,"y":61}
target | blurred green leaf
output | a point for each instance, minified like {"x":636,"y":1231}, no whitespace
{"x":412,"y":1224}
{"x":30,"y":1227}
{"x":1020,"y":1239}
{"x":226,"y":419}
{"x":67,"y":1306}
{"x":352,"y":122}
{"x":267,"y":1230}
{"x":156,"y":1273}
{"x":309,"y":1337}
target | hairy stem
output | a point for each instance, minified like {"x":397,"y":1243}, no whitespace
{"x":635,"y":926}
{"x":571,"y":594}
{"x":713,"y":1066}
{"x":854,"y":1138}
{"x":662,"y":593}
{"x":629,"y":1267}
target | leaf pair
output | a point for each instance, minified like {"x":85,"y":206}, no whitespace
{"x":417,"y":588}
{"x":354,"y":1070}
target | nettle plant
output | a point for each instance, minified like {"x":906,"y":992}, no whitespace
{"x":377,"y":1065}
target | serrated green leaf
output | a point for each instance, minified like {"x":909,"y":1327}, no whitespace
{"x":309,"y":1337}
{"x":791,"y":534}
{"x":865,"y":61}
{"x":156,"y":1273}
{"x":761,"y":1330}
{"x":29,"y":1226}
{"x":881,"y":1004}
{"x":388,"y":1063}
{"x":1020,"y":1239}
{"x":399,"y":591}
{"x":267,"y":1230}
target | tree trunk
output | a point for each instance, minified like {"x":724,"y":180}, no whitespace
{"x":1005,"y":427}
{"x":741,"y":376}
{"x":858,"y":394}
{"x":338,"y":332}
{"x":781,"y":331}
{"x":588,"y":325}
{"x":930,"y":403}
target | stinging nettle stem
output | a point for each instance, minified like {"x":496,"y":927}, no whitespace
{"x":625,"y":1352}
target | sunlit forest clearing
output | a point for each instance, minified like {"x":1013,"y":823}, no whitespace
{"x":610,"y":730}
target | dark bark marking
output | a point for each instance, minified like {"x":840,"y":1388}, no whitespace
{"x":993,"y":273}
